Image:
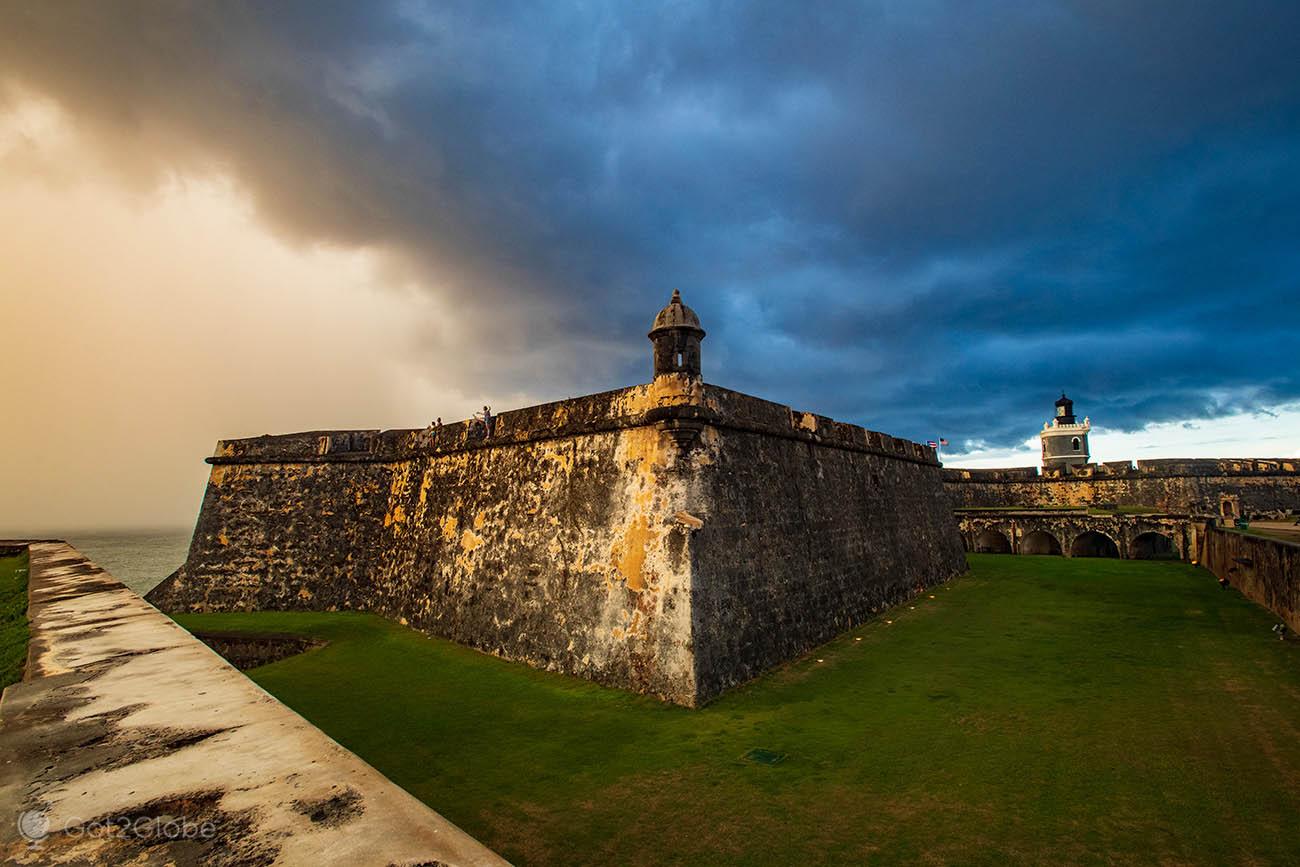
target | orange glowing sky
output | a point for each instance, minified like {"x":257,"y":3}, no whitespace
{"x":142,"y":323}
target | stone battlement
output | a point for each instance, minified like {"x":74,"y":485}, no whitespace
{"x":1055,"y":426}
{"x":636,"y":406}
{"x":1208,"y":487}
{"x":1162,"y":467}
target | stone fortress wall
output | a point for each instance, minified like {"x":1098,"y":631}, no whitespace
{"x":674,"y":538}
{"x":1225,"y":487}
{"x":812,"y":526}
{"x":1191,"y":509}
{"x":1263,"y":569}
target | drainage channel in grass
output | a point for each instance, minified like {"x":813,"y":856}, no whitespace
{"x":247,"y":650}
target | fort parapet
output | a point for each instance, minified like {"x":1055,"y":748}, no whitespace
{"x":1221,"y":487}
{"x":674,"y":538}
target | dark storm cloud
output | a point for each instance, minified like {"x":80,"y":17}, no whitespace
{"x":927,"y":217}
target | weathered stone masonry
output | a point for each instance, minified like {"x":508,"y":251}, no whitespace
{"x":1266,"y":571}
{"x":674,"y":538}
{"x":1155,"y":508}
{"x":1058,"y":531}
{"x":1220,"y":487}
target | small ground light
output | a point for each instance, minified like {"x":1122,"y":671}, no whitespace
{"x":889,"y":621}
{"x":931,"y":595}
{"x":821,"y":660}
{"x":857,"y":639}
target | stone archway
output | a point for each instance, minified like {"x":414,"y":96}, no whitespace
{"x":1040,"y":542}
{"x":992,"y":542}
{"x":1153,"y":546}
{"x":1094,"y":544}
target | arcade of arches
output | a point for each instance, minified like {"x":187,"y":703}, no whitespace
{"x":1094,"y":544}
{"x":1153,"y":546}
{"x":1078,"y":534}
{"x":1039,"y":542}
{"x":992,"y":542}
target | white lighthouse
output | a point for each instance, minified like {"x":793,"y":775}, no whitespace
{"x":1065,"y":440}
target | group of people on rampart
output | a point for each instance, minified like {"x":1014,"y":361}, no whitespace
{"x":480,"y":425}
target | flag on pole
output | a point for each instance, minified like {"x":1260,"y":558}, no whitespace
{"x":932,"y":444}
{"x":942,"y":441}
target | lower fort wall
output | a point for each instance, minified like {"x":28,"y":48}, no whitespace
{"x":673,"y":538}
{"x":1264,"y":570}
{"x":1067,"y":533}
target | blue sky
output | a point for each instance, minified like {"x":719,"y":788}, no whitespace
{"x":925,"y":217}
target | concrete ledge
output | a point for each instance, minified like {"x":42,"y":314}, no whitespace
{"x":128,"y":732}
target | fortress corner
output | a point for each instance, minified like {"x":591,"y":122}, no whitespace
{"x":674,"y":538}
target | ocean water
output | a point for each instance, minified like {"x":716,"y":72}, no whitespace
{"x":137,"y":558}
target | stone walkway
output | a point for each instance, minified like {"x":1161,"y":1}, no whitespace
{"x":130,"y":741}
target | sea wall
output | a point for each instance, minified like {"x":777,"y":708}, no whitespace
{"x":1264,"y":570}
{"x":1223,"y":487}
{"x":126,"y":723}
{"x":672,"y":538}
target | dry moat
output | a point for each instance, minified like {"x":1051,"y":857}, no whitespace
{"x":1037,"y":709}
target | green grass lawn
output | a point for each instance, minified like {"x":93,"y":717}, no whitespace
{"x":13,"y":618}
{"x":1124,"y":510}
{"x":1038,"y":710}
{"x":1287,"y":531}
{"x":1021,"y":509}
